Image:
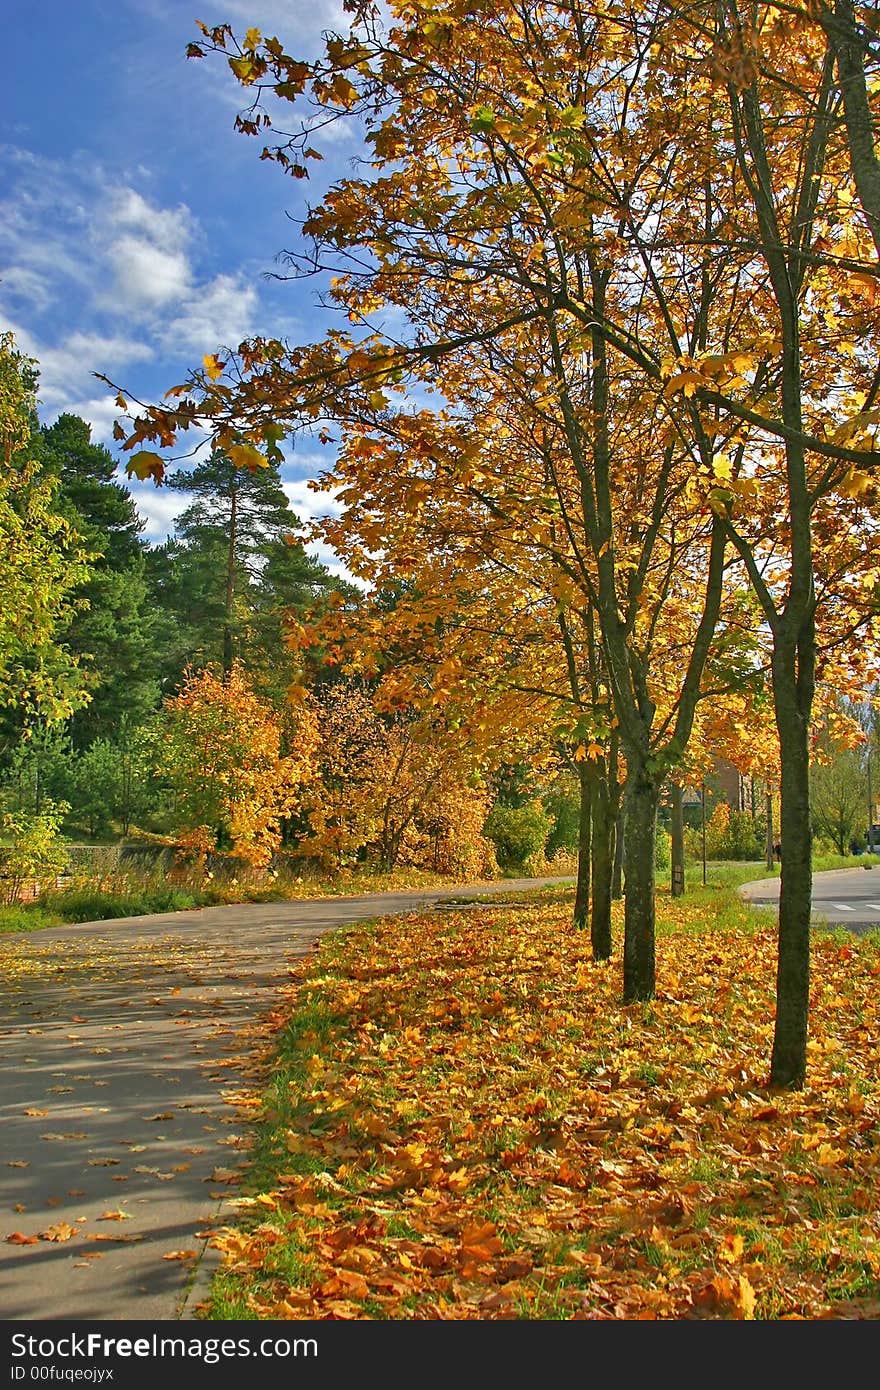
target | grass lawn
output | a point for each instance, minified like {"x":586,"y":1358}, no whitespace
{"x":462,"y":1121}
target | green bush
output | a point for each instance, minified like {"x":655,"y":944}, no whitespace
{"x":729,"y":835}
{"x":563,"y":804}
{"x":517,"y":832}
{"x":27,"y":917}
{"x":95,"y":905}
{"x":31,"y":848}
{"x":663,"y":849}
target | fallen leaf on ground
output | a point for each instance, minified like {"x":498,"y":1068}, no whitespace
{"x":730,"y":1249}
{"x":63,"y":1231}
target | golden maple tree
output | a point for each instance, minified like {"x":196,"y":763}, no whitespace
{"x":649,"y":222}
{"x":220,"y":749}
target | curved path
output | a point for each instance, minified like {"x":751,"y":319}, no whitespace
{"x":123,"y":1049}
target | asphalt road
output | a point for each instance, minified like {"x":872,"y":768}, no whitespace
{"x":841,"y":897}
{"x":126,"y":1052}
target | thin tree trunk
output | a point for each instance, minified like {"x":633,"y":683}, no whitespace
{"x":642,"y":798}
{"x":842,"y":32}
{"x":602,"y":865}
{"x":793,"y":627}
{"x":619,"y":849}
{"x":677,"y":827}
{"x":792,"y":690}
{"x":585,"y":821}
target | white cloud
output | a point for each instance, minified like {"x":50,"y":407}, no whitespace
{"x":302,"y":23}
{"x":169,"y":227}
{"x":82,"y":249}
{"x":145,"y":274}
{"x":221,"y":312}
{"x":99,"y":411}
{"x":146,"y":248}
{"x":310,"y":504}
{"x":20,"y":283}
{"x":158,"y":509}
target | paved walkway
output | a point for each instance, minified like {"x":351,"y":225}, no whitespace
{"x":847,"y":898}
{"x":124,"y":1045}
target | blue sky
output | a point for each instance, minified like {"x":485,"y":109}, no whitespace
{"x":136,"y":226}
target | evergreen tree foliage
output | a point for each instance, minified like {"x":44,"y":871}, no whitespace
{"x":231,"y":570}
{"x":118,"y":633}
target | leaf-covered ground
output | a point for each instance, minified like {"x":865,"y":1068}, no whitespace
{"x":465,"y":1122}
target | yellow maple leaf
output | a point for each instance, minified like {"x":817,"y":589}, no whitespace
{"x":828,"y":1156}
{"x":746,"y":1297}
{"x":246,"y":456}
{"x":730,"y":1249}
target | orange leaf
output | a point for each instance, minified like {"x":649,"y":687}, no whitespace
{"x":63,"y":1231}
{"x":730,"y":1249}
{"x":745,"y":1298}
{"x":347,"y":1282}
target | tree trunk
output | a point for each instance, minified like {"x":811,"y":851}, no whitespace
{"x":842,"y":32}
{"x":585,"y":821}
{"x":792,"y":691}
{"x":642,"y":799}
{"x":677,"y":827}
{"x":794,"y":630}
{"x":602,"y":866}
{"x":619,"y":848}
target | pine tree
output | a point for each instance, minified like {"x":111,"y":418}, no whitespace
{"x":119,"y":635}
{"x":232,"y":569}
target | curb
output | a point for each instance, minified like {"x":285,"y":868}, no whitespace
{"x":198,"y":1291}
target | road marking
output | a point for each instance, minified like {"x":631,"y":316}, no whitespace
{"x":875,"y":906}
{"x":843,"y":907}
